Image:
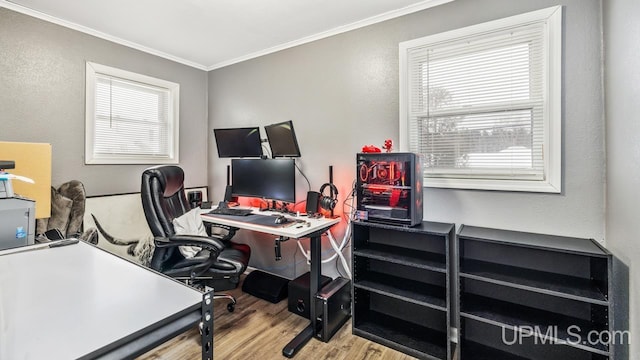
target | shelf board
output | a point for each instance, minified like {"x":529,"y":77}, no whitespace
{"x":539,"y":241}
{"x":403,"y":289}
{"x":569,"y":287}
{"x":426,"y":227}
{"x":409,"y":338}
{"x":483,"y":352}
{"x":510,"y":316}
{"x":403,"y":256}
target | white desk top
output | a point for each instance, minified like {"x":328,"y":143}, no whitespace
{"x":66,"y":302}
{"x":294,"y":230}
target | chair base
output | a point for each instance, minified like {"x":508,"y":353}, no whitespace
{"x":222,"y":284}
{"x":232,"y":300}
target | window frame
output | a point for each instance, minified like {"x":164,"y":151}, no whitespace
{"x":552,"y":113}
{"x":91,"y":158}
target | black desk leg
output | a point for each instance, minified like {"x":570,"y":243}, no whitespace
{"x":298,"y":342}
{"x":316,"y":272}
{"x":206,"y":336}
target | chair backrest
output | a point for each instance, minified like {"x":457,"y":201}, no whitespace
{"x":163,"y":198}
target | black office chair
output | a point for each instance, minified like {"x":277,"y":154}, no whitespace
{"x":220,"y":262}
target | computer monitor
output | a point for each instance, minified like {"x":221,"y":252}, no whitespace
{"x":273,"y":179}
{"x":282,"y":139}
{"x":238,"y":142}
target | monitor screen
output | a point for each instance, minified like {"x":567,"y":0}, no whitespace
{"x":273,"y":179}
{"x":282,"y":139}
{"x":238,"y":142}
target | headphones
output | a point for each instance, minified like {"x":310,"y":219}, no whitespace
{"x":328,"y":202}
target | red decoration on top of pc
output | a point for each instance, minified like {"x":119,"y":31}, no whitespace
{"x":388,"y":145}
{"x":370,"y":149}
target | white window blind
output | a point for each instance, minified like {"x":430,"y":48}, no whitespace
{"x":477,"y":105}
{"x":130,"y":118}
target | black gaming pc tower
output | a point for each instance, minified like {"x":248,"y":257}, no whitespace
{"x":389,"y":188}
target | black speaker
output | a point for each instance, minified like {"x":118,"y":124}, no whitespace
{"x":299,"y":297}
{"x":228,"y":191}
{"x":328,"y":202}
{"x":313,"y":201}
{"x":228,"y":195}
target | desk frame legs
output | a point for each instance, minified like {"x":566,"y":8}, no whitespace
{"x":206,"y":329}
{"x":316,"y":272}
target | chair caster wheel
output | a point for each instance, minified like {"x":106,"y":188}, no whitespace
{"x":231,"y":307}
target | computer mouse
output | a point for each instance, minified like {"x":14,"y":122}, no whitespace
{"x":281,"y":219}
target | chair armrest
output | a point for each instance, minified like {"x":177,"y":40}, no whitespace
{"x":231,"y":231}
{"x":212,"y":244}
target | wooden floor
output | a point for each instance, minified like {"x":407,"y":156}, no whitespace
{"x":258,"y":329}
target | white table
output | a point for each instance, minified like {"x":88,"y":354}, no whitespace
{"x":81,"y":302}
{"x":300,"y":228}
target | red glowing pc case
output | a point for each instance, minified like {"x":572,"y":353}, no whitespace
{"x":389,"y":188}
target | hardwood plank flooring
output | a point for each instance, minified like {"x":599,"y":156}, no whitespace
{"x":258,"y":329}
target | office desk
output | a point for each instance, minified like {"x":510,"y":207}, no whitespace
{"x":81,"y":302}
{"x":314,"y":232}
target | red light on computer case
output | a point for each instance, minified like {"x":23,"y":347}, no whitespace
{"x":382,"y":172}
{"x":386,"y":190}
{"x":378,"y":189}
{"x":394,"y":200}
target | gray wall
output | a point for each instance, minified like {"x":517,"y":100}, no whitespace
{"x":42,"y":74}
{"x":622,"y":76}
{"x":342,"y":93}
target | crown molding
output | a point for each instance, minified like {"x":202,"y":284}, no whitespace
{"x":335,"y":31}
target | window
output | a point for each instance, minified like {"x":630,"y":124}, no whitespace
{"x":482,"y":104}
{"x":130,"y":118}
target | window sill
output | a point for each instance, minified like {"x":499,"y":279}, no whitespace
{"x":541,"y":186}
{"x":130,"y":161}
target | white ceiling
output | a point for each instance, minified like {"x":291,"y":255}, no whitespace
{"x":208,"y":34}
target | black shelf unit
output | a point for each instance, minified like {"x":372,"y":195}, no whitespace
{"x":532,"y":296}
{"x":401,"y":293}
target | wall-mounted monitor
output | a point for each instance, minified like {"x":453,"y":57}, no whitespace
{"x":238,"y":142}
{"x":271,"y":179}
{"x":282,"y":139}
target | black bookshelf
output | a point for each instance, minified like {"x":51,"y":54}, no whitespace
{"x":401,"y":291}
{"x":511,"y":282}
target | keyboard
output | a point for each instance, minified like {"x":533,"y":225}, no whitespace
{"x":231,"y":211}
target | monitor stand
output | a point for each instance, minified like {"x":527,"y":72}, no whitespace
{"x":273,"y":206}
